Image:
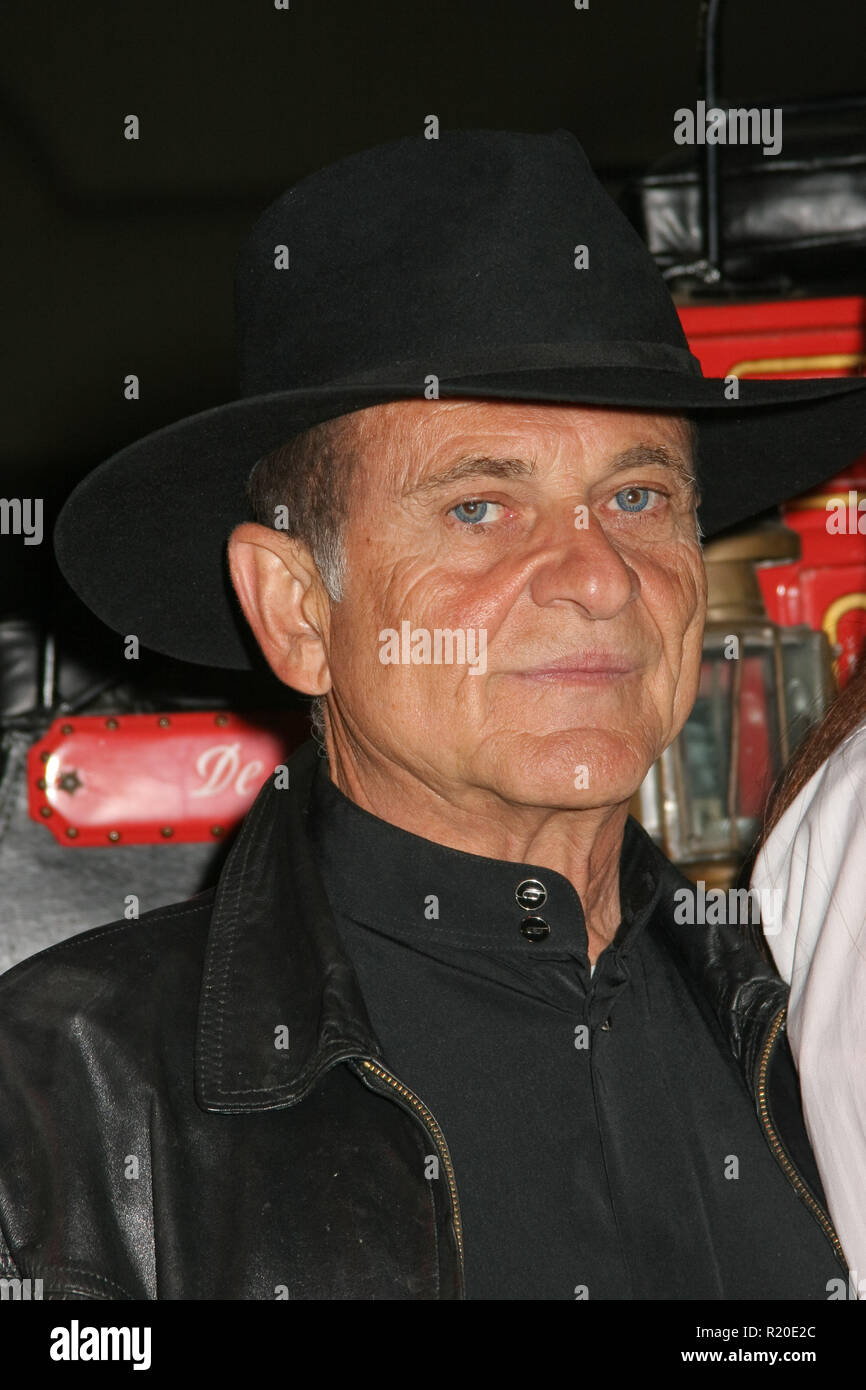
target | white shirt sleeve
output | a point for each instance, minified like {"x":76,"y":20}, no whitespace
{"x":813,"y":865}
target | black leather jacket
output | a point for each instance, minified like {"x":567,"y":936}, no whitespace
{"x":191,"y":1106}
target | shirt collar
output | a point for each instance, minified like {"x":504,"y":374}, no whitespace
{"x":413,"y":888}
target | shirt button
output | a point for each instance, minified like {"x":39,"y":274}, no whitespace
{"x":534,"y":928}
{"x":530,"y":894}
{"x":607,"y":1025}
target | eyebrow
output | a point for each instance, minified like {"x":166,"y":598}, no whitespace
{"x":482,"y":465}
{"x":473,"y":466}
{"x":660,"y":456}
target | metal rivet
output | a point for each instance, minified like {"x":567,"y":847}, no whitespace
{"x":45,"y":756}
{"x":164,"y":721}
{"x":41,"y":783}
{"x":66,"y":729}
{"x":530,"y":894}
{"x":45,"y":811}
{"x":111,"y":724}
{"x":114,"y":834}
{"x":217,"y":829}
{"x":166,"y":832}
{"x":534,"y":928}
{"x":71,"y":831}
{"x":221,"y":720}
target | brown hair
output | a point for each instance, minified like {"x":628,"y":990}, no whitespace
{"x":846,"y":711}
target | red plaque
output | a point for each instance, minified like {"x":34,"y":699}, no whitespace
{"x":141,"y":779}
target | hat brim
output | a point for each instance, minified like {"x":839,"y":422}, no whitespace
{"x":142,"y":538}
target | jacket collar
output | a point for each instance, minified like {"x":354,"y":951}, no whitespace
{"x":737,"y":990}
{"x":280,"y":1002}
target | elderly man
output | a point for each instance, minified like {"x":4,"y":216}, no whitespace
{"x":436,"y":1033}
{"x":462,"y":517}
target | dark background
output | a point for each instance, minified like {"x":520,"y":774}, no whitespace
{"x":118,"y":255}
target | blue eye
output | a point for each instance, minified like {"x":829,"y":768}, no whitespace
{"x":638,"y":506}
{"x":476,"y":511}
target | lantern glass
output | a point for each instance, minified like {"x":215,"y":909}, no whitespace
{"x":761,"y":688}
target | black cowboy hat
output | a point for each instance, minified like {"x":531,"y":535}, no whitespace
{"x":456,"y":259}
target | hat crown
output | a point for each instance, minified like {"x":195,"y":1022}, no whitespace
{"x":453,"y":258}
{"x":429,"y":251}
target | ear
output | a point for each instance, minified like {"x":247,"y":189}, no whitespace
{"x":285,"y":603}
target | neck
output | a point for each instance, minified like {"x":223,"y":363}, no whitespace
{"x":584,"y":845}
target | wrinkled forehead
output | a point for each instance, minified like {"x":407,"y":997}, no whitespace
{"x":403,"y":441}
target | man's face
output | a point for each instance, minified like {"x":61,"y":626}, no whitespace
{"x":552,"y":537}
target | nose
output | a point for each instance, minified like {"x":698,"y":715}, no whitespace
{"x":584,"y":569}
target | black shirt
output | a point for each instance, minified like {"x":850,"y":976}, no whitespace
{"x":604,"y":1145}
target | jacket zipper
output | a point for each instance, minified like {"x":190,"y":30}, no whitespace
{"x":776,"y":1144}
{"x":774,"y":1140}
{"x":438,"y":1138}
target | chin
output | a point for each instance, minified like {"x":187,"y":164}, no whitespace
{"x":575,"y":769}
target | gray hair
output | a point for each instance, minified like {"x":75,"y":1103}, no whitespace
{"x":302,"y":487}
